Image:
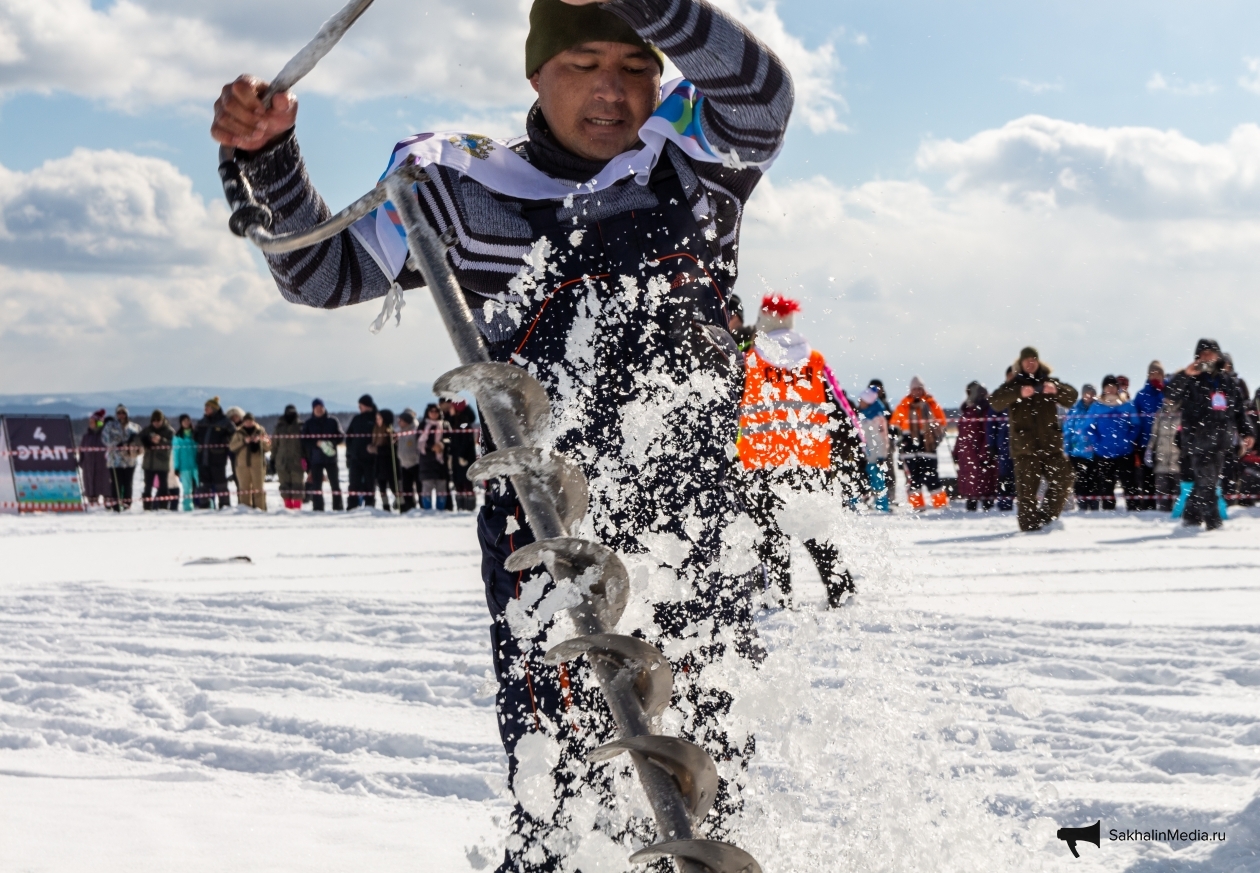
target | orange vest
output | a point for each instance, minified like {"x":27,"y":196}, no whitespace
{"x":783,"y":419}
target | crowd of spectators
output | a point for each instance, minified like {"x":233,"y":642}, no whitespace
{"x":1180,"y":444}
{"x":408,"y":460}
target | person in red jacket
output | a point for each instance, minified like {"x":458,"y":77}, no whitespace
{"x":797,"y":432}
{"x":920,"y":421}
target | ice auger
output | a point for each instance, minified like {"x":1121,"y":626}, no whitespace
{"x":679,"y":778}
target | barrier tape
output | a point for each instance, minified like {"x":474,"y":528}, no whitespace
{"x":133,"y":448}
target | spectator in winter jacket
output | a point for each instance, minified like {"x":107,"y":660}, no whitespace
{"x":235,"y":415}
{"x":462,"y":450}
{"x":1163,"y":454}
{"x":121,"y":437}
{"x":434,"y":474}
{"x":998,"y":434}
{"x":1148,"y":402}
{"x":1113,"y":429}
{"x":286,"y":452}
{"x":890,"y":466}
{"x":407,"y":446}
{"x":156,"y":440}
{"x":321,"y":434}
{"x":920,"y":423}
{"x":213,"y":433}
{"x":977,"y":469}
{"x":1213,"y":416}
{"x":385,"y":471}
{"x":1032,"y":397}
{"x":794,"y":428}
{"x":360,"y":460}
{"x":1078,"y":443}
{"x":96,"y":479}
{"x":1232,"y":470}
{"x":873,"y":416}
{"x":250,"y":445}
{"x":184,"y":460}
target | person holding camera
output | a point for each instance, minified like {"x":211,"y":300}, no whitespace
{"x":1213,"y":418}
{"x":1032,"y":397}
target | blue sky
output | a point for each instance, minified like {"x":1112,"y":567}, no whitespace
{"x":914,"y":202}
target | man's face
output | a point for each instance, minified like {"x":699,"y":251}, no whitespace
{"x":596,"y":96}
{"x":319,"y":410}
{"x":1208,"y":356}
{"x":1155,"y":375}
{"x":917,"y":393}
{"x":1030,"y":365}
{"x":1111,"y":390}
{"x":1088,"y":396}
{"x":209,"y":410}
{"x":122,"y":417}
{"x":363,"y":407}
{"x":735,"y":323}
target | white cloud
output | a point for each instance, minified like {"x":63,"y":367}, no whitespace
{"x":139,"y":53}
{"x":1135,"y":172}
{"x":1251,"y":81}
{"x":952,"y":282}
{"x":1157,"y":83}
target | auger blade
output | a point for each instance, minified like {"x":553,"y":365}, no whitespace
{"x":716,"y":856}
{"x":609,"y":591}
{"x":690,"y":765}
{"x":507,"y":387}
{"x":554,"y":475}
{"x":654,"y":680}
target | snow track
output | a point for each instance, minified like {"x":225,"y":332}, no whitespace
{"x":328,"y":705}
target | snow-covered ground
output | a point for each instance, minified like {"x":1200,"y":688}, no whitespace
{"x":327,"y":706}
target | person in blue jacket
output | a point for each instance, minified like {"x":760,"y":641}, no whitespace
{"x":1147,"y":402}
{"x":184,"y":461}
{"x":1078,"y":443}
{"x":1113,"y":430}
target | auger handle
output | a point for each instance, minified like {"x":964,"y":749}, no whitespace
{"x":247,"y":212}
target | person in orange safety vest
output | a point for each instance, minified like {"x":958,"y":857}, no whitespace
{"x":920,"y":422}
{"x":797,"y":432}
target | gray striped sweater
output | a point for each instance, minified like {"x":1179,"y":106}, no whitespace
{"x":748,"y":98}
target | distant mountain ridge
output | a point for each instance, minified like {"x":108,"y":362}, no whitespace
{"x":175,"y":400}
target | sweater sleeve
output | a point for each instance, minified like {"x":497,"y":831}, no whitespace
{"x":336,"y":272}
{"x":747,"y":90}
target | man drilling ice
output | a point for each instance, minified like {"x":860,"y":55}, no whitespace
{"x":598,"y":253}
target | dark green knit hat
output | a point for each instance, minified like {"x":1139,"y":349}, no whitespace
{"x":556,"y":26}
{"x":1028,"y":352}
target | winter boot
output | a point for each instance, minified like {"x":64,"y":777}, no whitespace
{"x":940,"y":500}
{"x":440,"y":502}
{"x":881,"y":503}
{"x":426,"y":501}
{"x":1179,"y":508}
{"x":916,"y":501}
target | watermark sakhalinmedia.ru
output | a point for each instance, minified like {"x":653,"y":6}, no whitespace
{"x":1169,"y":835}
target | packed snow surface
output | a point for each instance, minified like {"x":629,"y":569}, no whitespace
{"x":327,"y":706}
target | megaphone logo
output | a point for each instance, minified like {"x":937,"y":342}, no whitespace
{"x":1091,"y":834}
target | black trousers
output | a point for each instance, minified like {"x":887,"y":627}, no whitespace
{"x":463,"y":497}
{"x":1207,"y":461}
{"x":157,"y":493}
{"x":775,"y":551}
{"x":1143,"y":491}
{"x":361,"y":476}
{"x":1086,"y":485}
{"x":214,"y":485}
{"x":409,"y":487}
{"x":922,"y":472}
{"x":1110,"y":471}
{"x":120,"y":481}
{"x":315,"y":483}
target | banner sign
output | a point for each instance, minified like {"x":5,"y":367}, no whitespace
{"x":43,"y":469}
